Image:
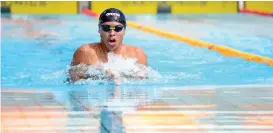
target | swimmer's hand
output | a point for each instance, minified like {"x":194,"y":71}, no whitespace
{"x":81,"y":72}
{"x":141,"y":74}
{"x":77,"y":73}
{"x":138,"y":76}
{"x":113,"y":76}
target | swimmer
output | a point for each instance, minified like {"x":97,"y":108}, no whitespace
{"x":111,"y":27}
{"x":27,"y":29}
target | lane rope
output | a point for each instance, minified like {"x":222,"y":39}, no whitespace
{"x":255,"y":12}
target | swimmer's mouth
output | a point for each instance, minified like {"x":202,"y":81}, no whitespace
{"x":112,"y":42}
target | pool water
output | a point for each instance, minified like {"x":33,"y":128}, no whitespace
{"x":196,"y":88}
{"x":42,"y":61}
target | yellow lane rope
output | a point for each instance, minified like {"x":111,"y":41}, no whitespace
{"x":224,"y":50}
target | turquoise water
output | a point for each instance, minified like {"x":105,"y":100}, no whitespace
{"x":225,"y":94}
{"x":30,"y":60}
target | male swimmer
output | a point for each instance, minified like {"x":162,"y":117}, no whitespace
{"x":112,"y":26}
{"x":28,"y":27}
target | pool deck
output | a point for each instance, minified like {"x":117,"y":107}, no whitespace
{"x":229,"y":109}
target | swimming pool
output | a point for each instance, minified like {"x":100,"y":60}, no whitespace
{"x":36,"y":59}
{"x":42,"y":62}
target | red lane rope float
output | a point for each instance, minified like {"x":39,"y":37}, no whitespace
{"x":255,"y":12}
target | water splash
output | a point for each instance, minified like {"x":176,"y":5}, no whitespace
{"x":125,"y":69}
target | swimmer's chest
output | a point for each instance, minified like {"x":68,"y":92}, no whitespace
{"x":126,"y":55}
{"x":126,"y":52}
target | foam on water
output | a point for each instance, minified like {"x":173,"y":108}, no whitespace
{"x":126,"y":70}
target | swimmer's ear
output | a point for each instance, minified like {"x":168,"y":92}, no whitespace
{"x":99,"y":32}
{"x":98,"y":28}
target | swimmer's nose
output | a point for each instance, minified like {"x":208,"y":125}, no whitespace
{"x":112,"y":32}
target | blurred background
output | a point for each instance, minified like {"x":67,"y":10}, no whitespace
{"x":133,"y":7}
{"x":191,"y":89}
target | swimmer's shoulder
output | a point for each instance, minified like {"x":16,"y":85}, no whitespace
{"x":138,"y":52}
{"x":135,"y":49}
{"x":84,"y":54}
{"x":88,"y":48}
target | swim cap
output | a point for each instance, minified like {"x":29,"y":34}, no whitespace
{"x":112,"y":14}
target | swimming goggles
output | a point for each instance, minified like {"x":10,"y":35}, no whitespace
{"x":116,"y":28}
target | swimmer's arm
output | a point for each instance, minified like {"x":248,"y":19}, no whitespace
{"x":142,"y":60}
{"x":77,"y":73}
{"x":141,"y":56}
{"x":83,"y":57}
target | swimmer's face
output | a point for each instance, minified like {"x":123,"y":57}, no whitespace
{"x":111,"y":34}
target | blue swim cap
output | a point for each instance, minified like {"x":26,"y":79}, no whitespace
{"x":112,"y":14}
